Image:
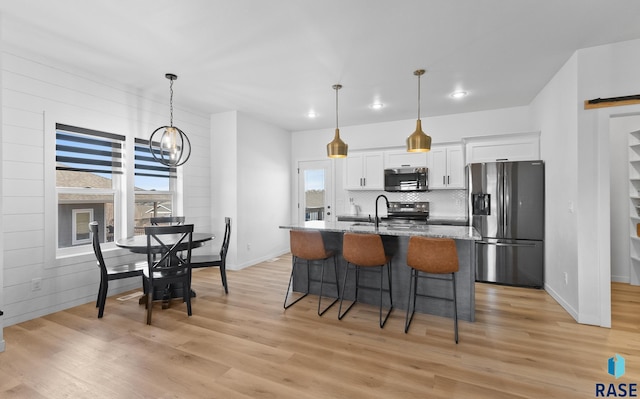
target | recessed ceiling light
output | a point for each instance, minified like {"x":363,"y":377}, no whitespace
{"x":376,"y":106}
{"x":458,"y":94}
{"x":311,"y":114}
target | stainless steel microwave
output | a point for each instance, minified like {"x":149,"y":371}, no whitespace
{"x":406,"y":179}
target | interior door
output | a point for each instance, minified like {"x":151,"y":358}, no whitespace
{"x":315,"y":193}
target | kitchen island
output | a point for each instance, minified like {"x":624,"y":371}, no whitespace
{"x":396,"y":239}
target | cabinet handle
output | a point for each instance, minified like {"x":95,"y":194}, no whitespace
{"x":443,"y":180}
{"x":364,"y":182}
{"x":448,"y":179}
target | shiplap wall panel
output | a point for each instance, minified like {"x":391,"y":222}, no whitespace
{"x":23,"y":205}
{"x":23,"y":188}
{"x":18,"y":258}
{"x":23,"y":239}
{"x":27,"y":222}
{"x":15,"y":117}
{"x":18,"y":134}
{"x":35,"y":93}
{"x":22,"y":153}
{"x":24,"y":170}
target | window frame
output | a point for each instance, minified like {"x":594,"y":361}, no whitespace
{"x":122,"y":191}
{"x":117,"y":172}
{"x":153,"y":171}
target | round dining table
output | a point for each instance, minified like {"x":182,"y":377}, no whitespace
{"x":138,"y":244}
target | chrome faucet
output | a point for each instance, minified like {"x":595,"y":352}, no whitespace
{"x":385,"y":200}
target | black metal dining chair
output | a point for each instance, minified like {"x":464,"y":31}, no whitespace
{"x":167,"y":220}
{"x":110,"y":272}
{"x":173,"y":268}
{"x":218,"y":260}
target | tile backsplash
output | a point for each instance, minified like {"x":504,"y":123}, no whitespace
{"x":442,"y":203}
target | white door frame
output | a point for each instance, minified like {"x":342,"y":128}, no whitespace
{"x":327,"y":165}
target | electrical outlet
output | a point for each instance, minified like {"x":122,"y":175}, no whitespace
{"x":248,"y":247}
{"x":36,"y":284}
{"x":566,"y":278}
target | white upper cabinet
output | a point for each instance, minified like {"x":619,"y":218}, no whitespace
{"x":404,"y":159}
{"x":512,"y":147}
{"x":364,"y":171}
{"x":446,"y":167}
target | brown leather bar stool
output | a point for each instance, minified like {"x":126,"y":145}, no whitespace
{"x":309,"y":246}
{"x":434,"y":256}
{"x":364,"y":252}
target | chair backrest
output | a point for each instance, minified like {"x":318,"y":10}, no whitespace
{"x":167,"y":220}
{"x":93,"y":226}
{"x":363,"y":249}
{"x":225,"y":241}
{"x":307,"y":244}
{"x":432,"y":255}
{"x":172,"y":242}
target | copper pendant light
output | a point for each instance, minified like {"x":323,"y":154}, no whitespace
{"x":337,"y":148}
{"x":418,"y":141}
{"x":171,"y":147}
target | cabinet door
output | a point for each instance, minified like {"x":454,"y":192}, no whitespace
{"x":455,"y":167}
{"x":516,"y":147}
{"x":399,"y":159}
{"x":373,"y":171}
{"x":354,"y":172}
{"x":437,"y":167}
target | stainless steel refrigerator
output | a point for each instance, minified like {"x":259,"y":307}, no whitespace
{"x":506,"y":205}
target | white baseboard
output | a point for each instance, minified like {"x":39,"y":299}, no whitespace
{"x":565,"y":305}
{"x":620,"y":279}
{"x":255,"y":261}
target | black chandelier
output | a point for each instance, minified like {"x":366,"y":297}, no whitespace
{"x":168,"y":144}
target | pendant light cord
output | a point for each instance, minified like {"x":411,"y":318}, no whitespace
{"x":337,"y":88}
{"x":419,"y":96}
{"x":171,"y":102}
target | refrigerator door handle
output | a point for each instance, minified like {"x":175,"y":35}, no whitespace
{"x":502,"y":244}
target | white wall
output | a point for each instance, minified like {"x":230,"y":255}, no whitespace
{"x":554,"y":112}
{"x":575,"y":144}
{"x":34,"y":91}
{"x":2,"y":343}
{"x":251,"y":183}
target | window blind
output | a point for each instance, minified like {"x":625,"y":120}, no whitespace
{"x":146,"y":165}
{"x":85,"y":150}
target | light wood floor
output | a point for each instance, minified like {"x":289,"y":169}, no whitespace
{"x":244,"y":345}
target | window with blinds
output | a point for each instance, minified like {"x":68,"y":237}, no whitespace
{"x":154,"y":186}
{"x":89,"y":165}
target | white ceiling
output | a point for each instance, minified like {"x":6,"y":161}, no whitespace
{"x":278,"y":59}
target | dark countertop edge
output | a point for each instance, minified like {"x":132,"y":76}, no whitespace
{"x":436,"y":231}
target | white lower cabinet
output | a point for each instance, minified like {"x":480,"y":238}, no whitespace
{"x":446,"y":167}
{"x":364,"y":171}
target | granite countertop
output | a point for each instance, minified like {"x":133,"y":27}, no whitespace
{"x":437,"y":231}
{"x":434,"y":220}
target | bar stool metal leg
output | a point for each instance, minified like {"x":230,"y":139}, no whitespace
{"x":344,"y":285}
{"x":290,"y":288}
{"x":335,"y":271}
